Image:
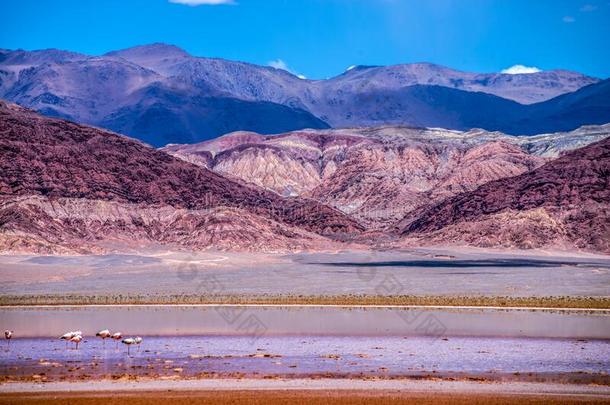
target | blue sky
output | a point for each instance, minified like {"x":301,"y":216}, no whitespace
{"x":321,"y":38}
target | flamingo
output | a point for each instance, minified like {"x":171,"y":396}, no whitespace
{"x":104,"y":334}
{"x":137,"y":341}
{"x":129,"y":342}
{"x":76,"y":339}
{"x":8,"y":334}
{"x":69,"y":335}
{"x":117,"y":336}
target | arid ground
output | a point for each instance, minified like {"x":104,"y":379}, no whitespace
{"x":291,"y":397}
{"x":497,"y":319}
{"x":415,"y":272}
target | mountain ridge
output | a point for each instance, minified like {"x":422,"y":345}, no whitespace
{"x":378,"y":175}
{"x":140,"y":91}
{"x":69,"y":188}
{"x":63,"y":185}
{"x":564,"y":200}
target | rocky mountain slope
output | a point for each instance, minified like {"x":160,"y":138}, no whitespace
{"x":70,"y":188}
{"x":565,"y":202}
{"x":379,"y":175}
{"x":160,"y":94}
{"x":66,"y":187}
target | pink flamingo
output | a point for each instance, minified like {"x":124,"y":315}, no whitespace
{"x":117,"y":336}
{"x":69,"y":335}
{"x":104,"y":334}
{"x":137,"y":341}
{"x":129,"y":342}
{"x":8,"y":335}
{"x":76,"y":339}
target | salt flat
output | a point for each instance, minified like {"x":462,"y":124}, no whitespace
{"x":409,"y":272}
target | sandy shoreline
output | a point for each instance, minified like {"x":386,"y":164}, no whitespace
{"x":557,"y":309}
{"x":290,"y":397}
{"x":513,"y":388}
{"x":321,"y":391}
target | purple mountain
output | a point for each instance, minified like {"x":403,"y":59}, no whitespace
{"x":161,"y":94}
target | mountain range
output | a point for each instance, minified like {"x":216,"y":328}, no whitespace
{"x":566,"y":201}
{"x":72,"y":188}
{"x":65,"y":187}
{"x":379,"y":175}
{"x":160,"y":94}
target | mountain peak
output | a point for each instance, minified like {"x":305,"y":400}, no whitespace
{"x":157,"y":49}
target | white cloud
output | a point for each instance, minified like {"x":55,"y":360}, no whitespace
{"x":568,"y":19}
{"x":194,"y":3}
{"x":280,"y":64}
{"x":350,"y":68}
{"x":520,"y":69}
{"x":588,"y":8}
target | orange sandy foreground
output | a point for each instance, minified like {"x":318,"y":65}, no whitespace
{"x":289,"y":397}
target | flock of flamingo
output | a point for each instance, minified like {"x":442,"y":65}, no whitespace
{"x":77,"y":336}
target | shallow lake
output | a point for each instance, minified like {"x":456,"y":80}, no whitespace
{"x":258,"y":320}
{"x":307,"y":356}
